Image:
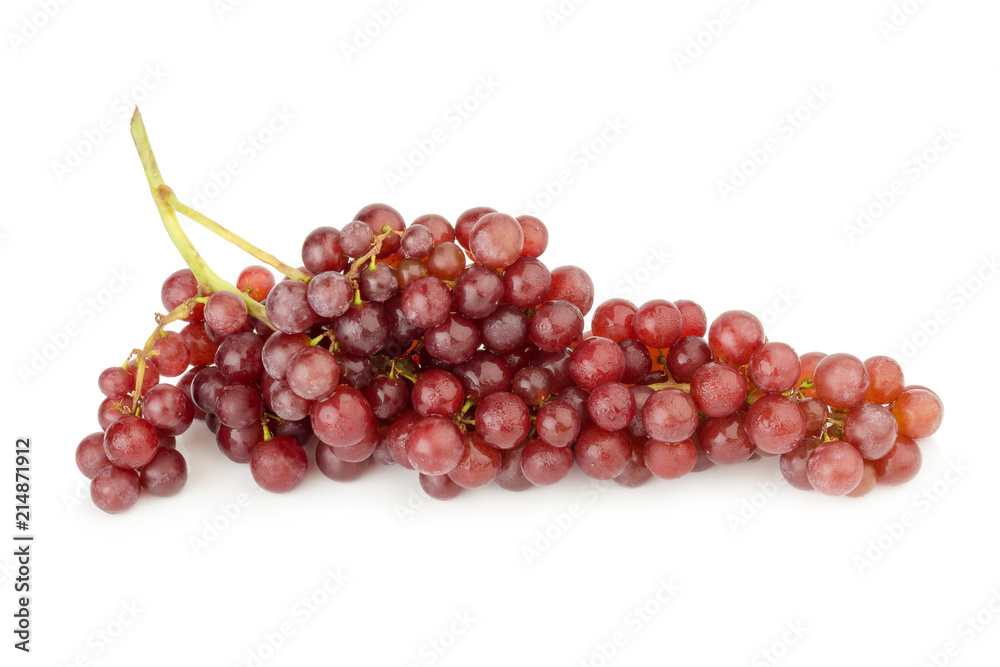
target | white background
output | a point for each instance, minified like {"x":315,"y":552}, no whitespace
{"x":777,"y":246}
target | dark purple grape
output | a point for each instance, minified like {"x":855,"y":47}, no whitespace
{"x":454,"y":340}
{"x":638,"y":363}
{"x":532,"y":384}
{"x":505,"y":330}
{"x":354,"y":371}
{"x":240,"y":357}
{"x":483,"y":374}
{"x":388,"y":396}
{"x":321,"y":252}
{"x":362,"y":330}
{"x":377,"y":284}
{"x":686,"y":356}
{"x":478,"y":291}
{"x":556,"y":325}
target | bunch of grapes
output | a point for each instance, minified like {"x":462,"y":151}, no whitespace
{"x":455,"y":352}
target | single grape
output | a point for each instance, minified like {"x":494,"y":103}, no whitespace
{"x":434,"y":446}
{"x":437,"y":393}
{"x":602,"y":454}
{"x":363,"y":449}
{"x":536,"y":236}
{"x":279,"y":349}
{"x":686,"y":356}
{"x":168,"y":409}
{"x":901,"y":464}
{"x":532,"y":384}
{"x":542,"y":464}
{"x":919,"y":412}
{"x":613,"y":319}
{"x":510,"y":477}
{"x":321,"y":252}
{"x":335,"y":468}
{"x":313,"y":373}
{"x":426,"y":302}
{"x":439,"y":487}
{"x":478,"y":292}
{"x":388,"y":396}
{"x":887,"y":379}
{"x":356,"y":238}
{"x":179,"y":287}
{"x":330,"y":294}
{"x":816,"y":413}
{"x":110,"y":410}
{"x":278,"y":465}
{"x":377,"y":284}
{"x":774,"y":368}
{"x":725,"y":440}
{"x":556,"y":325}
{"x":775,"y":423}
{"x":300,"y":429}
{"x":809,"y":361}
{"x":504,"y":330}
{"x":735,"y":335}
{"x":240,"y":357}
{"x":526,"y":282}
{"x":343,"y":419}
{"x":638,"y":363}
{"x":454,"y":340}
{"x":417,"y":241}
{"x":479,"y":464}
{"x":166,"y":474}
{"x":200,"y":347}
{"x":503,"y":420}
{"x":115,"y":489}
{"x":115,"y":382}
{"x":238,"y":405}
{"x":287,"y":307}
{"x":670,"y":415}
{"x":378,"y":217}
{"x":399,"y":432}
{"x":408,"y":270}
{"x":573,"y":284}
{"x":130,"y":442}
{"x":867,"y":483}
{"x":718,"y":389}
{"x":694,"y":321}
{"x":611,"y":406}
{"x":90,"y":456}
{"x":658,"y":324}
{"x":150,"y":375}
{"x":362,"y":330}
{"x":226,"y":312}
{"x":354,"y":371}
{"x":596,"y":361}
{"x":670,"y":460}
{"x":841,"y":380}
{"x":557,"y":423}
{"x":872,"y":429}
{"x":205,"y":387}
{"x":835,"y":468}
{"x":496,"y":240}
{"x":446,"y":261}
{"x":483,"y":374}
{"x":256,"y":282}
{"x":635,"y":473}
{"x":170,"y":355}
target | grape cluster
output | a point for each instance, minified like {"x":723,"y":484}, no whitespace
{"x":455,"y":352}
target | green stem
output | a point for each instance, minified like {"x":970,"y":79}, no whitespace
{"x":239,"y":242}
{"x":206,"y":277}
{"x":683,"y":386}
{"x":142,"y":356}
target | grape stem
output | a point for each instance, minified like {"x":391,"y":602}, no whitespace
{"x":371,"y":254}
{"x":238,"y":241}
{"x":207,"y":279}
{"x":683,"y":386}
{"x":142,"y":356}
